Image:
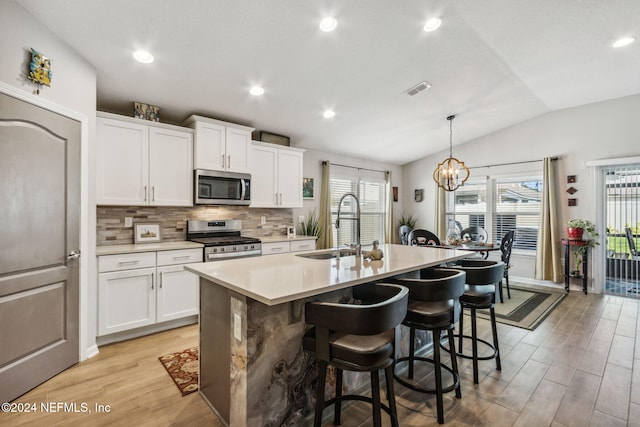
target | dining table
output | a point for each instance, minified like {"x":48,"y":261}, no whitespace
{"x":481,"y":248}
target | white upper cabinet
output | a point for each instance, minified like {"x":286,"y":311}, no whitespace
{"x":139,"y":164}
{"x":276,"y":176}
{"x":220,"y":145}
{"x":170,"y":167}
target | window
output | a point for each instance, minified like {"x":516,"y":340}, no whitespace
{"x":467,"y":206}
{"x":499,"y":205}
{"x":517,"y":207}
{"x":369,"y":187}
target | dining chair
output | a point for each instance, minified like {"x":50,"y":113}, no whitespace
{"x":420,"y":237}
{"x":404,"y":231}
{"x":476,"y":234}
{"x":505,"y":248}
{"x":632,"y":244}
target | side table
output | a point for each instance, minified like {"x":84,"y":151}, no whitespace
{"x":576,"y":244}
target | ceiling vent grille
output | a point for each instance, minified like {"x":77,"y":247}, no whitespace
{"x":417,"y":88}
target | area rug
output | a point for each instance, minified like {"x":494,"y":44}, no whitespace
{"x":528,"y":307}
{"x":183,"y":369}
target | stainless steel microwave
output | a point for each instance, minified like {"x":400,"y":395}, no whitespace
{"x":221,"y":188}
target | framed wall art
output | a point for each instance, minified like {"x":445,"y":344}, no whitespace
{"x":147,"y":232}
{"x":307,"y":188}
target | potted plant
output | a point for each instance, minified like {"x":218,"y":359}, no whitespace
{"x":310,"y":226}
{"x":406,"y":223}
{"x":575,"y":231}
{"x":577,"y":226}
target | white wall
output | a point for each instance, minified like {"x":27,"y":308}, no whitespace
{"x":73,"y":88}
{"x":602,"y":130}
{"x":313,"y":169}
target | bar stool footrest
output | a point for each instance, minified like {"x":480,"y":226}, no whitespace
{"x":468,"y":356}
{"x":456,"y":377}
{"x":362,"y":399}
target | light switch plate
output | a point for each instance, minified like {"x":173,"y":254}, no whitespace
{"x":263,"y":219}
{"x":301,"y":218}
{"x":128,"y":221}
{"x":237,"y":327}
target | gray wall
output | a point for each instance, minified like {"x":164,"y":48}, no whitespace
{"x":73,"y":87}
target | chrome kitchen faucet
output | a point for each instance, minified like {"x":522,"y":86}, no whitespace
{"x":358,"y":246}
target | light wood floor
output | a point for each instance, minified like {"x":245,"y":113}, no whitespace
{"x":580,"y":367}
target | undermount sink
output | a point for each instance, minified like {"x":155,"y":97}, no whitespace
{"x":326,"y":255}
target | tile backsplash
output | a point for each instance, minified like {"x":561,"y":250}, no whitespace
{"x":111,"y":229}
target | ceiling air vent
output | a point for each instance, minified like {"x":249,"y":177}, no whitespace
{"x":417,"y":88}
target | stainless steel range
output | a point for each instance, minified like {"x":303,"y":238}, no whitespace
{"x":222,"y":239}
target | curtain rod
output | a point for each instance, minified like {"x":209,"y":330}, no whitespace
{"x":353,"y":167}
{"x":553,"y":159}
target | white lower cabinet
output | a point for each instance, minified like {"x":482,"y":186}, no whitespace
{"x":177,"y":294}
{"x":288,"y":246}
{"x":127,"y":300}
{"x":142,"y":289}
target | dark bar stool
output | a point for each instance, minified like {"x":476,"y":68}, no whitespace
{"x":480,"y":293}
{"x":433,"y":306}
{"x":357,"y":338}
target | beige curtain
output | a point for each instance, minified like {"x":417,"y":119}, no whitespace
{"x":325,"y":240}
{"x":390,"y":235}
{"x":440,"y":214}
{"x":548,"y":253}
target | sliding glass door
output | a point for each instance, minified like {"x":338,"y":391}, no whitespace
{"x":622,"y":217}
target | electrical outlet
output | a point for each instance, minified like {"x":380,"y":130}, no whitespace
{"x":301,"y":219}
{"x":237,"y":327}
{"x":128,"y":221}
{"x":263,"y":219}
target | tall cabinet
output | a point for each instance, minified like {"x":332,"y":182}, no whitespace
{"x":276,"y":176}
{"x":143,"y":163}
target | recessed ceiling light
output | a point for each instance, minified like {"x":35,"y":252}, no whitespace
{"x":624,"y":41}
{"x":256,"y":91}
{"x":328,"y":24}
{"x":328,"y":114}
{"x":143,"y":56}
{"x":432,"y":24}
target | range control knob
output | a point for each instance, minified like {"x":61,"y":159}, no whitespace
{"x":221,"y":249}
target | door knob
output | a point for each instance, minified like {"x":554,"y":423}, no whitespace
{"x":73,"y":255}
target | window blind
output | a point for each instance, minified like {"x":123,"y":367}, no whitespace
{"x":370,"y":188}
{"x":517,"y":207}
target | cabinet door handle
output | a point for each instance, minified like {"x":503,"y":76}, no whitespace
{"x":175,"y":258}
{"x":153,"y":276}
{"x":128,"y":262}
{"x":160,"y":281}
{"x":275,"y":195}
{"x":223,"y":166}
{"x":153,"y":193}
{"x":229,"y":161}
{"x":145,"y":193}
{"x":280,"y":198}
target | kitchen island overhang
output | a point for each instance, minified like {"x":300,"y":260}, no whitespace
{"x":252,"y":367}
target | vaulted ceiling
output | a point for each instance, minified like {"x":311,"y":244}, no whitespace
{"x":493,"y":63}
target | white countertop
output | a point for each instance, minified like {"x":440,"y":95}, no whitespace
{"x":146,"y":247}
{"x":283,"y":238}
{"x":280,"y":278}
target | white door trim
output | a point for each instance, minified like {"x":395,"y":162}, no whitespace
{"x":86,"y":251}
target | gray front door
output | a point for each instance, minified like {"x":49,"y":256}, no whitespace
{"x":39,"y":239}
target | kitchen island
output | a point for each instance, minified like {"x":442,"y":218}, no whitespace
{"x":252,"y":367}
